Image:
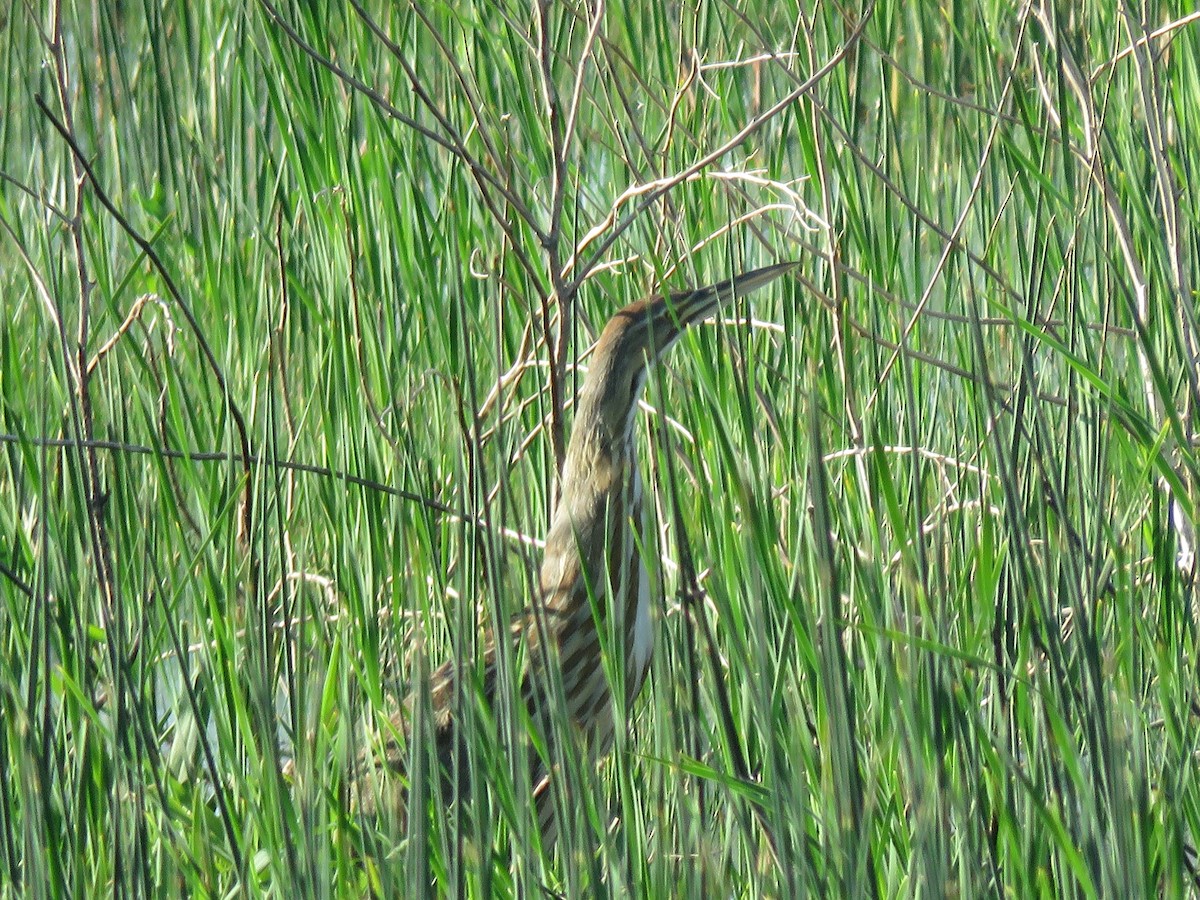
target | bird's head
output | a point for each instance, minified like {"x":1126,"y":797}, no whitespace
{"x":637,"y":336}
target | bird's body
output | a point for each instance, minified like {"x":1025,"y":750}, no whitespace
{"x":594,"y":589}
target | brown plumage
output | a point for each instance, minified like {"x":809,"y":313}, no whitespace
{"x":592,"y":568}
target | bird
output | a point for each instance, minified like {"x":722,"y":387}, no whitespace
{"x":593,"y":581}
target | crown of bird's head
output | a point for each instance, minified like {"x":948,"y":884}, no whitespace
{"x":640,"y":334}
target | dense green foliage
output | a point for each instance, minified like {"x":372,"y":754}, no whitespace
{"x":934,"y":490}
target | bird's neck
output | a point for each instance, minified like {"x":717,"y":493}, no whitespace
{"x":595,"y":478}
{"x":595,"y":461}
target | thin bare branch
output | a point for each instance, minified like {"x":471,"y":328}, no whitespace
{"x":611,"y":228}
{"x":454,"y":514}
{"x":1170,"y":29}
{"x":148,"y":249}
{"x":953,"y":239}
{"x":454,"y":144}
{"x":1173,"y":440}
{"x":560,"y":293}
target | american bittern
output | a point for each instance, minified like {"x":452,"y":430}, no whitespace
{"x":593,"y":580}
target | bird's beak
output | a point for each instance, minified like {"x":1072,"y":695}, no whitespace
{"x":682,"y":308}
